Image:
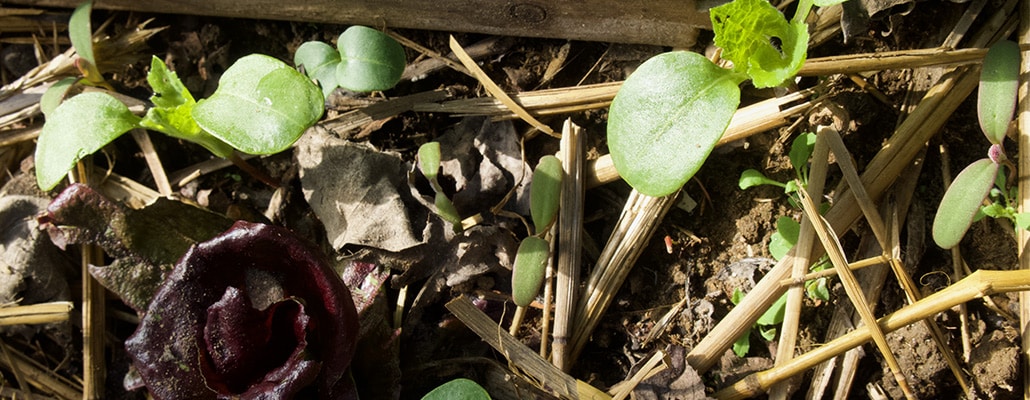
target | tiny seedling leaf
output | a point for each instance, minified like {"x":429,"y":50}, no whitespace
{"x":667,"y":117}
{"x":429,"y":160}
{"x":767,"y":332}
{"x":458,"y":389}
{"x":817,"y":289}
{"x":774,"y":315}
{"x":962,"y":201}
{"x":999,"y":81}
{"x":743,"y":344}
{"x":261,"y":106}
{"x":752,"y":177}
{"x":528,"y":272}
{"x":759,"y":41}
{"x":800,"y":150}
{"x":1023,"y":220}
{"x":80,"y":31}
{"x":545,"y":192}
{"x":785,"y":237}
{"x":369,"y":60}
{"x":445,"y":208}
{"x":77,"y":128}
{"x":55,"y":95}
{"x":172,"y":111}
{"x":319,"y":61}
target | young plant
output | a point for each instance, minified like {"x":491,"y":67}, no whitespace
{"x":668,"y":115}
{"x":429,"y":164}
{"x":261,"y":106}
{"x":534,"y":251}
{"x":458,"y":389}
{"x":800,"y":150}
{"x":996,"y":105}
{"x":364,"y":60}
{"x":766,"y":324}
{"x":80,"y":31}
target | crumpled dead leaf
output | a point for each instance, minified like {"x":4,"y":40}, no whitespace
{"x":145,"y":242}
{"x":484,"y":159}
{"x":359,"y":193}
{"x":680,"y":381}
{"x":858,"y":13}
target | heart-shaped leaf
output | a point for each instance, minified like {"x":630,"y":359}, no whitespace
{"x":962,"y":201}
{"x":999,"y":81}
{"x":528,"y":271}
{"x":319,"y":60}
{"x":369,"y":60}
{"x":77,"y":128}
{"x":545,"y":192}
{"x":667,"y":117}
{"x":261,"y":105}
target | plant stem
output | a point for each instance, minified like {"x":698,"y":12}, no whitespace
{"x":253,"y":171}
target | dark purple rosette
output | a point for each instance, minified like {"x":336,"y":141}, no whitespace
{"x":254,"y":313}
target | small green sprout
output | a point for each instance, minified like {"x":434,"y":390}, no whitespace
{"x":458,"y":389}
{"x":364,"y":60}
{"x":996,"y":104}
{"x":429,"y":164}
{"x":766,"y":324}
{"x":531,"y":259}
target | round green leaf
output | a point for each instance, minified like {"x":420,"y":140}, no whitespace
{"x":369,"y":60}
{"x":752,"y":177}
{"x":999,"y":81}
{"x":458,"y":389}
{"x":319,"y":61}
{"x":785,"y":237}
{"x":261,"y":106}
{"x":429,"y":160}
{"x":961,"y":202}
{"x":545,"y":192}
{"x":667,"y":117}
{"x":75,"y":129}
{"x":528,"y":273}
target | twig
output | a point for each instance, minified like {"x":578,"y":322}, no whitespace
{"x":648,"y":369}
{"x":802,"y":260}
{"x":39,"y":377}
{"x":93,"y":315}
{"x":495,"y":90}
{"x":43,"y":313}
{"x":547,"y":376}
{"x":153,"y":161}
{"x":978,"y":284}
{"x":640,"y":217}
{"x":570,"y":224}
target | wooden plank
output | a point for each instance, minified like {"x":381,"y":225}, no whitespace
{"x":660,"y":22}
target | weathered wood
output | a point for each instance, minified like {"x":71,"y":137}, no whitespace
{"x":661,"y":22}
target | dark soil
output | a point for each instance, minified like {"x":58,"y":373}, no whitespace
{"x":727,"y":225}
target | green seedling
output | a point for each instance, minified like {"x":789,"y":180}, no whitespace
{"x":766,"y":324}
{"x":261,"y":106}
{"x":527,"y":275}
{"x":80,"y":31}
{"x":364,"y":60}
{"x":458,"y":389}
{"x":800,"y":150}
{"x":996,"y":104}
{"x":669,"y":114}
{"x":784,"y":239}
{"x":429,"y":164}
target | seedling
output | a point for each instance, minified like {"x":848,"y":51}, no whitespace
{"x":668,"y":115}
{"x":766,"y":324}
{"x":429,"y":164}
{"x":996,"y":104}
{"x":261,"y":106}
{"x":364,"y":60}
{"x":534,"y":251}
{"x":458,"y":389}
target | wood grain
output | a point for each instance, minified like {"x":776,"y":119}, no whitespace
{"x":660,"y":22}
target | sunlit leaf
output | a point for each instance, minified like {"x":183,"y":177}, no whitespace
{"x":962,"y":201}
{"x":77,"y":128}
{"x":800,"y":150}
{"x":172,"y":111}
{"x":261,"y":106}
{"x":752,"y":177}
{"x":429,"y":160}
{"x":80,"y":31}
{"x":774,"y":315}
{"x":999,"y":81}
{"x":667,"y":117}
{"x":760,"y":41}
{"x":785,"y":237}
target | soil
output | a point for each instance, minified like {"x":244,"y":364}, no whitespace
{"x":718,"y":245}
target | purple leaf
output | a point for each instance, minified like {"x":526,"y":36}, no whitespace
{"x":255,"y":312}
